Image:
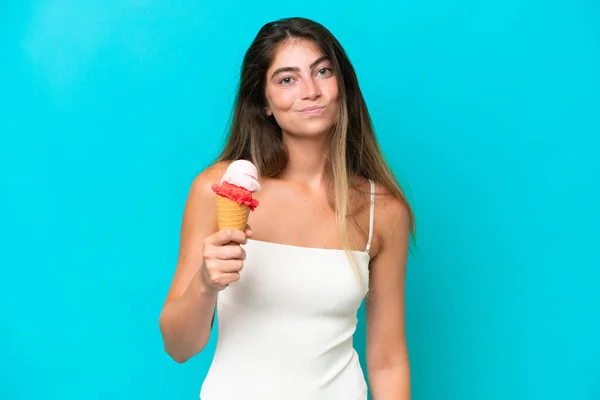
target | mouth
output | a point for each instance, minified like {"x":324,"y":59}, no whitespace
{"x":311,"y":110}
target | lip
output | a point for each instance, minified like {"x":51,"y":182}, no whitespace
{"x":311,"y":110}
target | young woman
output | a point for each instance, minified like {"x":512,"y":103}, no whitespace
{"x":332,"y":228}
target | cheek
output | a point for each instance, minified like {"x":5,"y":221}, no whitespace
{"x":281,"y":100}
{"x":332,"y":90}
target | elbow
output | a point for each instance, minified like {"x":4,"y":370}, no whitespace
{"x":390,"y":360}
{"x":177,"y":357}
{"x":175,"y":345}
{"x":171,"y":344}
{"x":181,"y":354}
{"x":178,"y":352}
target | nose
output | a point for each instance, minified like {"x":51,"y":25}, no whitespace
{"x":311,"y":90}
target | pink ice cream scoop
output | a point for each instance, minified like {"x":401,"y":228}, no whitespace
{"x":242,"y":173}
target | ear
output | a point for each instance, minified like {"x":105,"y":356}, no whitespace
{"x":268,"y":112}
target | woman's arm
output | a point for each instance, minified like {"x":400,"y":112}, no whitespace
{"x":187,"y":315}
{"x":387,"y":353}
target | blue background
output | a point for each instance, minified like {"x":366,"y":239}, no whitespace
{"x":488,"y":111}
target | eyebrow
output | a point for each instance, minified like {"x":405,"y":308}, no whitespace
{"x":296,"y":69}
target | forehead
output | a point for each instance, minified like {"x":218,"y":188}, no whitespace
{"x":295,"y":53}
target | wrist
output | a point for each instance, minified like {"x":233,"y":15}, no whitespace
{"x":201,"y":289}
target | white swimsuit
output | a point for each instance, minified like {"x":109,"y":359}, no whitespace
{"x":285,"y":328}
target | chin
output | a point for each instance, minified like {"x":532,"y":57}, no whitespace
{"x":312,"y":128}
{"x":310,"y":131}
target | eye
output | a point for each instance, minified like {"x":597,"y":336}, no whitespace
{"x":325,"y":71}
{"x":286,"y":81}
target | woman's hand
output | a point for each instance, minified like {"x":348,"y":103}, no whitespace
{"x":223,"y":258}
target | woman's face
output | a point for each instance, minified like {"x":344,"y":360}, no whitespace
{"x":302,"y":90}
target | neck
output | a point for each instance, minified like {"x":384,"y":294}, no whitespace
{"x":306,"y":160}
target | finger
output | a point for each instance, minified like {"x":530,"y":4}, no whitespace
{"x":248,"y":233}
{"x":225,"y":279}
{"x":231,"y":252}
{"x":228,"y":235}
{"x":229,"y":266}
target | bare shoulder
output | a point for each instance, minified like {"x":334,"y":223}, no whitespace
{"x":206,"y":178}
{"x":392,"y":218}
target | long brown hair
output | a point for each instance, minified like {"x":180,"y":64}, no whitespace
{"x":353,"y":151}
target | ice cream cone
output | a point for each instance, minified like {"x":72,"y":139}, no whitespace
{"x":235,"y":195}
{"x":231,"y":214}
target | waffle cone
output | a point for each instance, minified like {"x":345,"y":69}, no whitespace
{"x":231,"y":214}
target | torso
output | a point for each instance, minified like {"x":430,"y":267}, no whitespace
{"x":285,"y":329}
